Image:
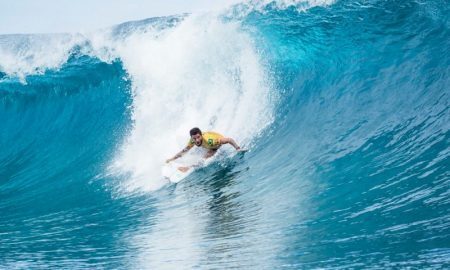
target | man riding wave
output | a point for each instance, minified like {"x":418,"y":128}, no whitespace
{"x":209,"y":140}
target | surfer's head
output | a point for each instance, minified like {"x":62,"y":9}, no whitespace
{"x":196,"y":136}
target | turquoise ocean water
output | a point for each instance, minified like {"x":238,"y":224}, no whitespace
{"x":343,"y":105}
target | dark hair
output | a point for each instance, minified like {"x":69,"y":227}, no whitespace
{"x":195,"y":131}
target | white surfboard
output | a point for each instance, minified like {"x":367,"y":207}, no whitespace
{"x":173,"y":174}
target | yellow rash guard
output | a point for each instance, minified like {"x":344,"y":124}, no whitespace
{"x":211,"y":140}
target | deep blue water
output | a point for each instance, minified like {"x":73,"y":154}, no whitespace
{"x":345,"y":109}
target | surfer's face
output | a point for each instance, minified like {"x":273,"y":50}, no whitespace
{"x":197,"y":138}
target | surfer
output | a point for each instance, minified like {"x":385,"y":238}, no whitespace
{"x":211,"y":141}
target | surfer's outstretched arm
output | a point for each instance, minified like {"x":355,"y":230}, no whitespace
{"x":232,"y":142}
{"x":180,"y":154}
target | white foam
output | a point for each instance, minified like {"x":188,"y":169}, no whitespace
{"x":22,"y":55}
{"x":301,"y":5}
{"x":203,"y":73}
{"x":240,"y":9}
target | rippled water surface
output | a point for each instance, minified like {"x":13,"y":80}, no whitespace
{"x":344,"y":107}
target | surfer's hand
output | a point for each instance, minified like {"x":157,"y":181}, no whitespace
{"x":183,"y":169}
{"x":169,"y":160}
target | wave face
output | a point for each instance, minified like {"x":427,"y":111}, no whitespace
{"x":345,"y":107}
